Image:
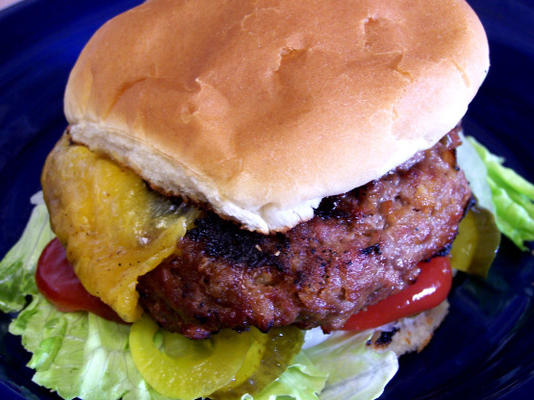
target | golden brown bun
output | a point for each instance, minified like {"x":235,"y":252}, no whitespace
{"x":262,"y":108}
{"x":410,"y":333}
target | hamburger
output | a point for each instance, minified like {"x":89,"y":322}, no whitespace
{"x":265,"y":164}
{"x":315,"y":161}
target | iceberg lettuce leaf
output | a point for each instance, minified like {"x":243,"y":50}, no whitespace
{"x":512,"y":196}
{"x":476,"y":173}
{"x":78,"y":354}
{"x":300,"y":381}
{"x":17,"y":268}
{"x":356,"y":371}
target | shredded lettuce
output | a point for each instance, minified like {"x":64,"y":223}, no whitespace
{"x":512,"y":196}
{"x":357,"y":372}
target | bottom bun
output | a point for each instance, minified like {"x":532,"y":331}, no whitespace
{"x":411,"y":333}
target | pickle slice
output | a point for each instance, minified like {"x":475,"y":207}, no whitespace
{"x":252,"y":360}
{"x":281,"y":345}
{"x":477,"y":242}
{"x":186,"y":369}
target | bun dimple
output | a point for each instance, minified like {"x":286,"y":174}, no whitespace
{"x":262,"y":108}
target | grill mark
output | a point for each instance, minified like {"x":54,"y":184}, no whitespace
{"x":375,"y":248}
{"x":224,"y":239}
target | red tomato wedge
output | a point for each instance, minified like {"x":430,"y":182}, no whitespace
{"x":56,"y":280}
{"x":431,"y":288}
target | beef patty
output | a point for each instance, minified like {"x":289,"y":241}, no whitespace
{"x":359,"y":248}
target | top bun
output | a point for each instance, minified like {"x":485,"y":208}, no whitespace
{"x":262,"y":108}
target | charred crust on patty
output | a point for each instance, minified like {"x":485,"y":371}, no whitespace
{"x":374,"y":248}
{"x":225,"y":240}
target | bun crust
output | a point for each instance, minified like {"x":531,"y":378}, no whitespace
{"x":410,"y":333}
{"x":262,"y":108}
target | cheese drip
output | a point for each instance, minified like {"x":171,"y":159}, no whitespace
{"x":113,"y":227}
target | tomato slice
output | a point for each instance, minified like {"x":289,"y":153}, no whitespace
{"x":56,"y":280}
{"x":431,"y":288}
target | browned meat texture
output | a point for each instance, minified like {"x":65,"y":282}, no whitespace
{"x":359,"y":248}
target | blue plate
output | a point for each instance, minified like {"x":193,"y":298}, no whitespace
{"x":484,"y":349}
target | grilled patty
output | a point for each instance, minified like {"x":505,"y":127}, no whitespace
{"x":360,"y":247}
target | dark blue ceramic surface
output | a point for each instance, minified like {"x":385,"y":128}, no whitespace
{"x":485,"y":348}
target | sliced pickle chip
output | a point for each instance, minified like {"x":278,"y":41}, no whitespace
{"x":281,"y":345}
{"x":252,"y":360}
{"x":187,"y":369}
{"x":477,"y":242}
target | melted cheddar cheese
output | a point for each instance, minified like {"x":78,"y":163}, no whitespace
{"x":113,"y":226}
